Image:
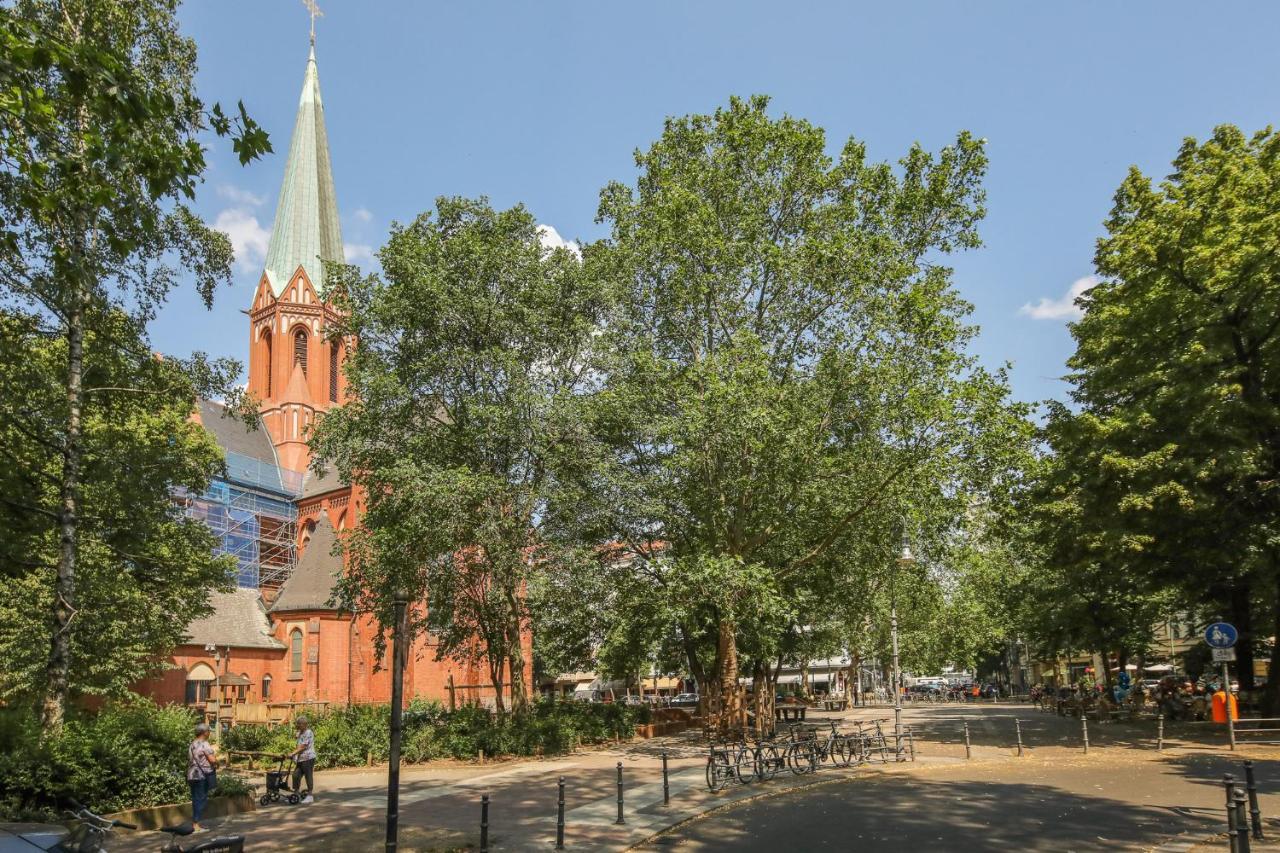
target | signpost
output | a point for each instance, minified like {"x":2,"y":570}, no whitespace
{"x":1221,"y":635}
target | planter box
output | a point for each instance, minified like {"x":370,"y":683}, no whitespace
{"x":646,"y":730}
{"x":155,"y":817}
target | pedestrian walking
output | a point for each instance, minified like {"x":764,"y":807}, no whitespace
{"x":202,"y":774}
{"x":305,"y":756}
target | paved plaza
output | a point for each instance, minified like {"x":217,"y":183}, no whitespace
{"x":1123,"y":794}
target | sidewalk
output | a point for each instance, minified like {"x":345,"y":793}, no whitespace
{"x":440,"y":803}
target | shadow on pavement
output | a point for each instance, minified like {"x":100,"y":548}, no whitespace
{"x":920,"y":814}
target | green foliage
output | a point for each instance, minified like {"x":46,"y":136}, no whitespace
{"x":127,"y":756}
{"x":100,"y":150}
{"x":140,"y":562}
{"x":785,"y":386}
{"x":1161,"y":488}
{"x":347,"y":737}
{"x":470,"y":348}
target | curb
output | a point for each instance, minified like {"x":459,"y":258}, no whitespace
{"x":154,"y":817}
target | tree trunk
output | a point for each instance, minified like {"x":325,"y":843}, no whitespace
{"x":853,"y":681}
{"x":495,"y":676}
{"x":515,"y":665}
{"x":1242,"y":618}
{"x":1272,"y":688}
{"x":53,"y":709}
{"x":724,"y":707}
{"x":763,"y":683}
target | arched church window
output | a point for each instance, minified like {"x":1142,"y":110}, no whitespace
{"x":300,"y":349}
{"x":266,"y":687}
{"x":266,"y":339}
{"x":335,"y":353}
{"x":295,"y":651}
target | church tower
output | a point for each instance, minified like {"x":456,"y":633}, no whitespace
{"x":295,"y":370}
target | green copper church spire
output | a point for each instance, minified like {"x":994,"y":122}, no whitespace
{"x":306,"y":228}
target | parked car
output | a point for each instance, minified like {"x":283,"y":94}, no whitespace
{"x":632,"y":699}
{"x":685,"y":700}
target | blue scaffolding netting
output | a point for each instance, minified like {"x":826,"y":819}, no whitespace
{"x":252,"y":513}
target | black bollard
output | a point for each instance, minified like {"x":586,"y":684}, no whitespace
{"x":1255,"y":814}
{"x":484,"y":823}
{"x":1017,"y":728}
{"x":1229,"y":783}
{"x":666,"y":787}
{"x":967,"y":752}
{"x":1242,"y":823}
{"x":560,"y":818}
{"x":619,"y":821}
{"x":1159,"y":732}
{"x":1084,"y":731}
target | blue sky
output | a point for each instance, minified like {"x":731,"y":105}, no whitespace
{"x":543,"y":103}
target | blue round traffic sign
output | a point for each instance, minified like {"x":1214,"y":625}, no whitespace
{"x":1221,"y":635}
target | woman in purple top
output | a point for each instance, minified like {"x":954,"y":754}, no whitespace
{"x":202,"y":773}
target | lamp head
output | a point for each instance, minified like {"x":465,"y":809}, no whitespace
{"x":906,"y":557}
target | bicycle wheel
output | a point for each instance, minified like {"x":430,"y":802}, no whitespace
{"x":744,"y":770}
{"x":768,"y":762}
{"x":717,"y":778}
{"x":839,"y":754}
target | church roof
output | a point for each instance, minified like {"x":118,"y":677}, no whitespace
{"x":320,"y":482}
{"x":238,"y":619}
{"x":233,"y":435}
{"x":311,"y":584}
{"x":306,"y":227}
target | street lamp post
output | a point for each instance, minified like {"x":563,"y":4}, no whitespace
{"x":398,"y":654}
{"x":905,"y":559}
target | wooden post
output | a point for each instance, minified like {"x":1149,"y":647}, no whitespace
{"x":453,"y":705}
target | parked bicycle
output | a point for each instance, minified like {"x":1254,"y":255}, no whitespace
{"x":92,"y":831}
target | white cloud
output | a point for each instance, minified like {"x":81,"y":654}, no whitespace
{"x":357,"y":252}
{"x":238,"y":196}
{"x":1064,"y":307}
{"x":248,"y":238}
{"x":364,"y":214}
{"x":551,"y":238}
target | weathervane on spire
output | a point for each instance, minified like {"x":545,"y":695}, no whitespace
{"x":314,"y":9}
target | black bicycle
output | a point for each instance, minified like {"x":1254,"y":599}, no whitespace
{"x":92,"y":831}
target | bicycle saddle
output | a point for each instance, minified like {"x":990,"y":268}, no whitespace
{"x":180,"y":829}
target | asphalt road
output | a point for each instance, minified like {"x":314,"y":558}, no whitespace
{"x":1051,"y":803}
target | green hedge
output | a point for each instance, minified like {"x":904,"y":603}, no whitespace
{"x":347,"y":737}
{"x":127,"y":756}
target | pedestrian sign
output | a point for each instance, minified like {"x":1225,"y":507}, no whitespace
{"x":1220,"y":635}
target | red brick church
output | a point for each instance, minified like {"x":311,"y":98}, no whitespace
{"x":277,"y":641}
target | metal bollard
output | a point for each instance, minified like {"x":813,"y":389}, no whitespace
{"x":619,"y":821}
{"x":560,"y":818}
{"x":1159,"y":732}
{"x":1255,"y":814}
{"x":1017,"y":728}
{"x":1084,"y":731}
{"x":967,"y":752}
{"x":1242,"y":824}
{"x":666,"y":788}
{"x":911,"y":742}
{"x":1229,"y":783}
{"x":484,"y":823}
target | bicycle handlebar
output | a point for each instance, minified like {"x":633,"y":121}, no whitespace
{"x":124,"y":825}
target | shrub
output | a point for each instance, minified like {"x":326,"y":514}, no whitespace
{"x":126,"y":756}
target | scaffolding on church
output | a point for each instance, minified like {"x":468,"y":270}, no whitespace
{"x":255,"y":519}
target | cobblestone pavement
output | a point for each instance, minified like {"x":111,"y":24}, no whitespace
{"x":1122,"y":793}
